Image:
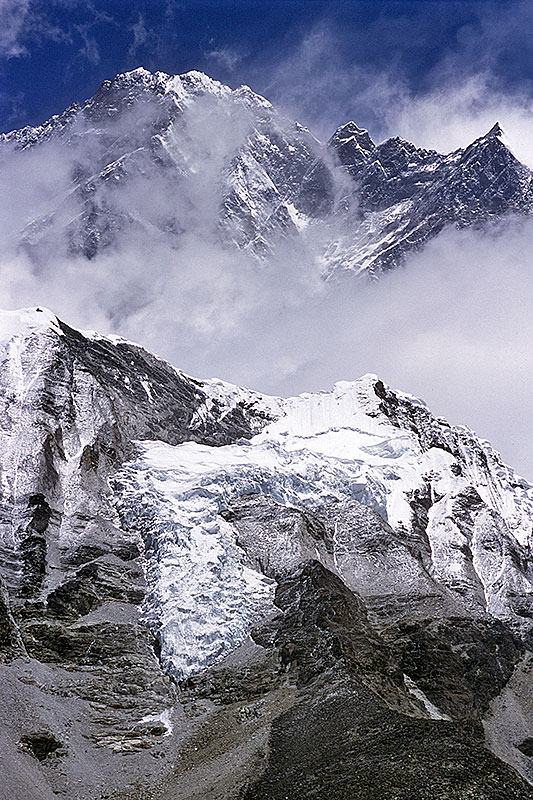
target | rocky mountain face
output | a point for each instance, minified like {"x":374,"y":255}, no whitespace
{"x":211,"y":593}
{"x":407,"y":195}
{"x":159,"y":156}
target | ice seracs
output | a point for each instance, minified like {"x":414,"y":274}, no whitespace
{"x":291,"y":558}
{"x":361,"y":441}
{"x":203,"y":444}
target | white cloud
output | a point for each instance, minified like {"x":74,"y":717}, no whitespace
{"x":90,"y":49}
{"x":460,"y":100}
{"x":140,"y":33}
{"x":452,"y":116}
{"x":26,"y":22}
{"x":14,"y":16}
{"x":226,"y":57}
{"x":454,"y":326}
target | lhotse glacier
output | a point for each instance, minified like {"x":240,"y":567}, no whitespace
{"x":243,"y":586}
{"x":361,"y":442}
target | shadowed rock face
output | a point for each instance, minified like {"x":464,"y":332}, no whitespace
{"x":352,"y":728}
{"x":331,"y":748}
{"x":367,"y":669}
{"x":411,"y":194}
{"x":40,"y":744}
{"x":268,"y":181}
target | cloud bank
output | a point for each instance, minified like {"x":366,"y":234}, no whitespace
{"x":454,"y":326}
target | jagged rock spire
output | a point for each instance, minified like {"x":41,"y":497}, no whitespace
{"x":496,"y":130}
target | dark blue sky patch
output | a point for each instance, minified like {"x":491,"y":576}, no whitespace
{"x":56,"y":52}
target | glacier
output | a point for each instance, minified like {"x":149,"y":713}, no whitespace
{"x":325,"y":448}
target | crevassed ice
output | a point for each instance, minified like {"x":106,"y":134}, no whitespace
{"x":202,"y":600}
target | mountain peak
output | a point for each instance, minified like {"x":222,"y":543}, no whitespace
{"x":23,"y":322}
{"x":139,"y":75}
{"x":350,"y":131}
{"x":271,"y":177}
{"x":198,"y":81}
{"x":138,"y":72}
{"x":496,"y":130}
{"x":351,"y":128}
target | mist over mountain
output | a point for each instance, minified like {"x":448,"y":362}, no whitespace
{"x":193,"y":217}
{"x":159,"y":156}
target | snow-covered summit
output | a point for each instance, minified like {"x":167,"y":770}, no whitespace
{"x":25,"y":321}
{"x":160,"y":155}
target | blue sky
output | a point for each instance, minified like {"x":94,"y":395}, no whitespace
{"x":55,"y":52}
